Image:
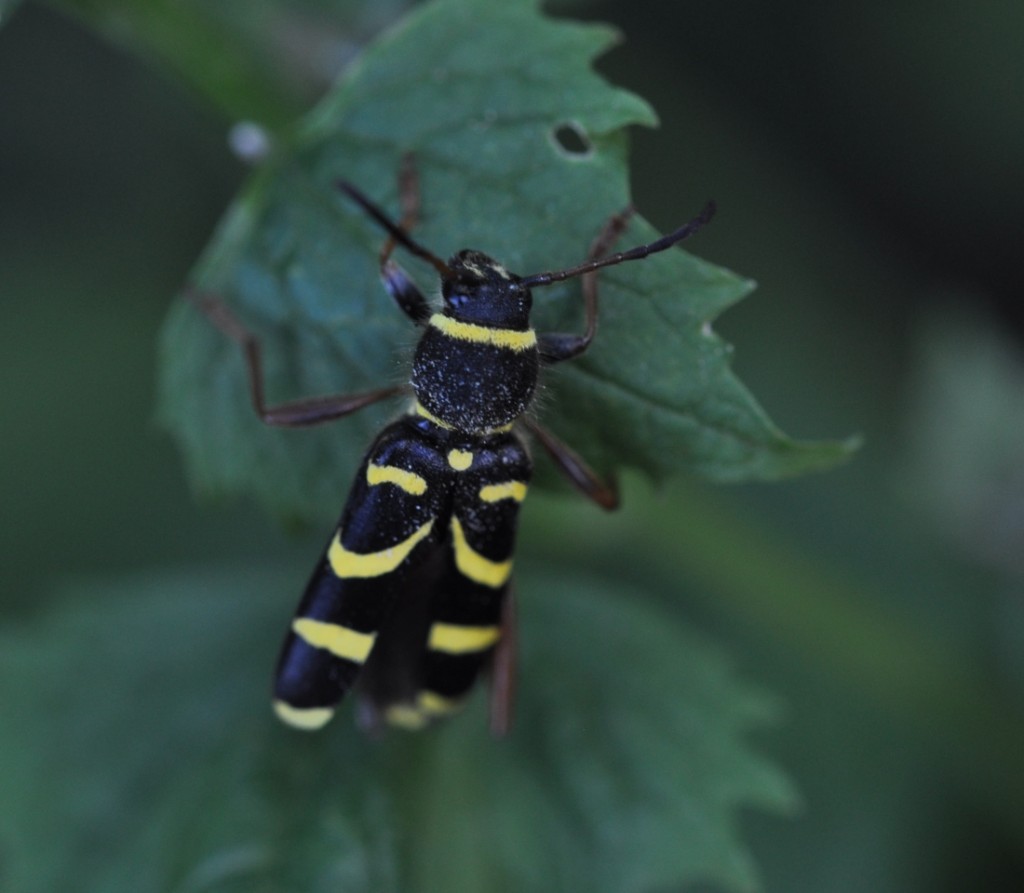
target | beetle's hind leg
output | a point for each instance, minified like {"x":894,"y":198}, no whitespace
{"x":504,"y":668}
{"x":571,"y":464}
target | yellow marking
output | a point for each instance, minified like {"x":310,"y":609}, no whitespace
{"x":305,"y":718}
{"x":455,"y":639}
{"x":405,"y":716}
{"x":339,"y":640}
{"x":473,"y":565}
{"x":509,"y":490}
{"x":389,"y":474}
{"x":425,"y":413}
{"x":421,"y":410}
{"x":429,"y":705}
{"x":431,"y":702}
{"x":346,"y":564}
{"x":460,"y":460}
{"x":510,"y":339}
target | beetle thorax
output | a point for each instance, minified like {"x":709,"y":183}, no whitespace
{"x":476,"y":365}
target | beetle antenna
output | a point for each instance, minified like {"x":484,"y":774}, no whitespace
{"x":394,"y":230}
{"x":638,"y":253}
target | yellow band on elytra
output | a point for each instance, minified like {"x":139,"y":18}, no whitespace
{"x":509,"y":490}
{"x":347,"y":564}
{"x":473,"y":565}
{"x":339,"y":640}
{"x":454,"y":638}
{"x":429,"y":705}
{"x":306,"y":718}
{"x":437,"y":705}
{"x":409,"y":481}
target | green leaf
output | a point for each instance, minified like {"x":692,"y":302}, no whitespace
{"x":140,"y":753}
{"x":478,"y":90}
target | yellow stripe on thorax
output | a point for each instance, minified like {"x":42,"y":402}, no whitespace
{"x":473,"y":565}
{"x":409,"y":481}
{"x":420,"y":410}
{"x":509,"y":490}
{"x":457,"y":639}
{"x":346,"y":564}
{"x":510,"y":339}
{"x":306,"y":718}
{"x":339,"y":640}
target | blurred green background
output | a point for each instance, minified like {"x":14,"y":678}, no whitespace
{"x":866,"y":162}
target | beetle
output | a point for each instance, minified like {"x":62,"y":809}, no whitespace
{"x":411,"y":598}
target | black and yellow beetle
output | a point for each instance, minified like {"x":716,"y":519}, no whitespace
{"x":411,"y":599}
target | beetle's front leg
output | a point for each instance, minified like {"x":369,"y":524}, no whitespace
{"x":297,"y":413}
{"x":397,"y":282}
{"x":556,"y":347}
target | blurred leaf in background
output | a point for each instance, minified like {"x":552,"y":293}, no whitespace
{"x":864,"y":164}
{"x":178,"y":777}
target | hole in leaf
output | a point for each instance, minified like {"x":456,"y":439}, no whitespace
{"x":572,"y":139}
